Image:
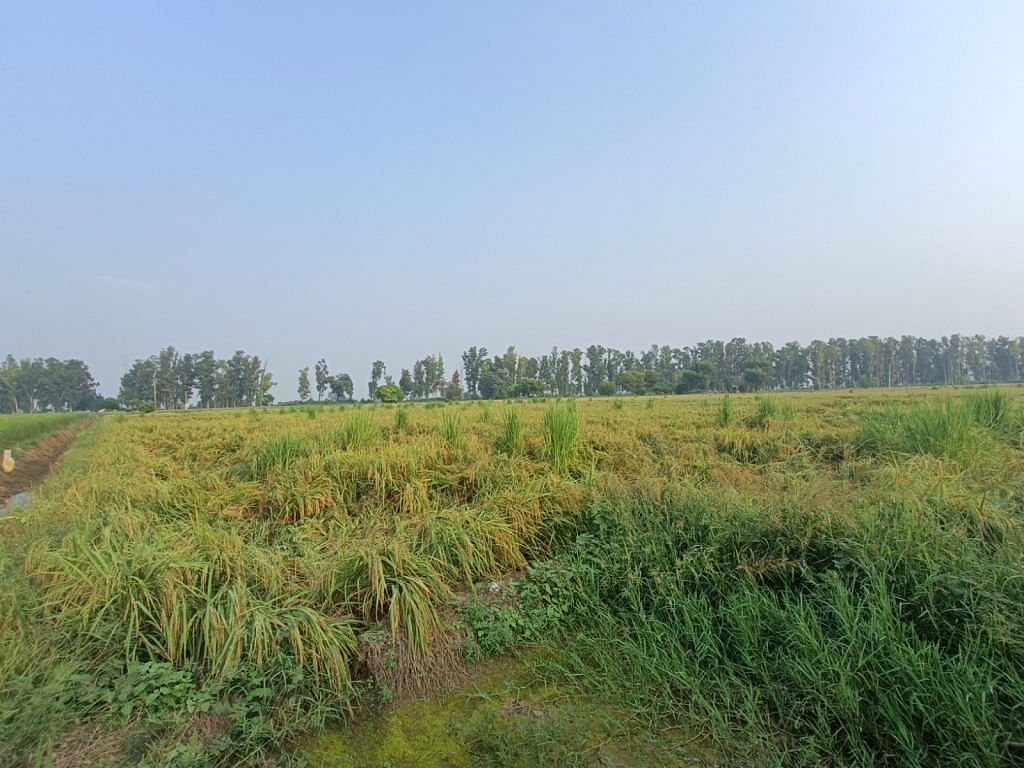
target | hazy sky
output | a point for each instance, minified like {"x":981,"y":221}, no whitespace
{"x":322,"y":179}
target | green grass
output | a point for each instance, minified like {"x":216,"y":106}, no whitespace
{"x":768,"y":409}
{"x":724,"y":415}
{"x":19,"y":431}
{"x":990,"y":408}
{"x":402,"y":418}
{"x":562,"y":436}
{"x":821,"y":640}
{"x":453,"y":430}
{"x":359,"y":431}
{"x":512,"y":438}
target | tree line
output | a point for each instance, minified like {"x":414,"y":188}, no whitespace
{"x":28,"y":386}
{"x":170,"y":380}
{"x":710,"y":366}
{"x":425,"y":379}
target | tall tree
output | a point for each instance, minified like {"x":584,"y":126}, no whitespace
{"x":322,"y":377}
{"x":376,"y":373}
{"x":341,"y":386}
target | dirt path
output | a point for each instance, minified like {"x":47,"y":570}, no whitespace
{"x":35,"y":464}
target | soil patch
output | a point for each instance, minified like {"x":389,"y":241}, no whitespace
{"x":35,"y":464}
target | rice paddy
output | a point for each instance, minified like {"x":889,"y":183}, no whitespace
{"x":792,"y":579}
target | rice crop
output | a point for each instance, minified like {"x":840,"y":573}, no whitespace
{"x":799,"y":579}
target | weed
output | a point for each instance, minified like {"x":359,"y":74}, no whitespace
{"x":402,"y":418}
{"x":453,"y":430}
{"x":512,"y":437}
{"x":562,"y":436}
{"x":725,"y":415}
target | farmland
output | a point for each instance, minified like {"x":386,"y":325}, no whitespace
{"x":787,"y":579}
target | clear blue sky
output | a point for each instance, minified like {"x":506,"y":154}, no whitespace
{"x":304,"y":180}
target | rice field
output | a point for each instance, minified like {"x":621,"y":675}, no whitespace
{"x":787,"y":579}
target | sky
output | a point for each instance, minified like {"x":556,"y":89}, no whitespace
{"x":357,"y":181}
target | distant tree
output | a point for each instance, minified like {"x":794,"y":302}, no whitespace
{"x":433,"y":372}
{"x":207,"y":370}
{"x":419,"y":379}
{"x":454,"y":389}
{"x":494,"y":384}
{"x":389,"y":393}
{"x":633,"y":381}
{"x":472,"y":363}
{"x":528,"y":388}
{"x":406,"y":383}
{"x":576,"y":356}
{"x":322,"y":378}
{"x":304,"y":393}
{"x":697,"y":378}
{"x":376,"y":372}
{"x":606,"y":388}
{"x":341,"y":386}
{"x":594,"y":368}
{"x":138,"y":384}
{"x":757,"y":373}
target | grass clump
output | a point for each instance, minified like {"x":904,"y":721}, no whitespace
{"x":402,"y":418}
{"x":768,"y":410}
{"x":359,"y":431}
{"x":937,"y":428}
{"x":453,"y":430}
{"x":562,"y":436}
{"x":724,"y":415}
{"x":277,"y":455}
{"x":990,"y":408}
{"x":512,"y":438}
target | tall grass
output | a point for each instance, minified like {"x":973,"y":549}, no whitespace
{"x":359,"y":431}
{"x":562,"y":437}
{"x":724,"y":415}
{"x":453,"y":430}
{"x":402,"y":418}
{"x":770,"y":409}
{"x":990,"y":408}
{"x":513,"y":434}
{"x":938,"y":428}
{"x":277,"y":455}
{"x":805,"y":640}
